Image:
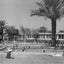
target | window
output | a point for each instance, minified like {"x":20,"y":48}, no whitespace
{"x":48,"y":36}
{"x":43,"y":36}
{"x":61,"y":36}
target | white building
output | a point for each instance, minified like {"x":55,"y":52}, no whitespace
{"x":46,"y":36}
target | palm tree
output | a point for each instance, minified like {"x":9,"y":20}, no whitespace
{"x":52,"y":9}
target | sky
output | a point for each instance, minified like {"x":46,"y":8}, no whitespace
{"x":17,"y":13}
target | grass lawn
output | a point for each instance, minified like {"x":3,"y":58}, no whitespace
{"x":31,"y":59}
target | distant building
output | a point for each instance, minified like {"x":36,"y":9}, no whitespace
{"x":47,"y":36}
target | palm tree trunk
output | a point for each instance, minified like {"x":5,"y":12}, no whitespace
{"x":53,"y":32}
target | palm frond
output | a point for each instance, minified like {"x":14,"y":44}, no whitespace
{"x":60,"y":4}
{"x":61,"y":11}
{"x":41,"y":11}
{"x":42,"y":5}
{"x":48,"y":2}
{"x":60,"y":8}
{"x":38,"y":13}
{"x":34,"y":12}
{"x":50,"y":8}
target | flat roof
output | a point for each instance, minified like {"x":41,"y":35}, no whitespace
{"x":50,"y":33}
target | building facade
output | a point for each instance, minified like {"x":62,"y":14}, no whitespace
{"x":46,"y":36}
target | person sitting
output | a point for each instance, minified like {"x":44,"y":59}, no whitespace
{"x":9,"y":53}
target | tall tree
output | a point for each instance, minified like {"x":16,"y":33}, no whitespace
{"x":12,"y":32}
{"x":52,"y":9}
{"x":43,"y":29}
{"x":2,"y":26}
{"x":23,"y":32}
{"x":35,"y":34}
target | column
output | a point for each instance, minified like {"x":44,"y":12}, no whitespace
{"x":57,"y":37}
